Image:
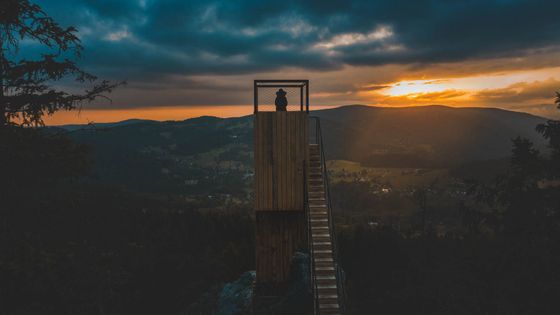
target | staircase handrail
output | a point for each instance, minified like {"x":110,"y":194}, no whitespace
{"x":325,"y":175}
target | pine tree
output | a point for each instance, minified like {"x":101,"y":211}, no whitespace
{"x":27,"y":91}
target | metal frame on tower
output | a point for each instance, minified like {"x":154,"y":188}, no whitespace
{"x":302,"y":84}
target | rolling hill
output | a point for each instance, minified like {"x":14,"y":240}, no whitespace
{"x":427,"y":135}
{"x":168,"y":155}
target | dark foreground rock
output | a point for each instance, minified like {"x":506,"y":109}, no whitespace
{"x":236,"y":298}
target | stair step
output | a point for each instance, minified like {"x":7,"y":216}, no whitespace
{"x":316,"y":189}
{"x":321,"y":232}
{"x":316,"y":215}
{"x":319,"y":220}
{"x":324,"y":268}
{"x":319,"y":227}
{"x":322,"y":247}
{"x":328,"y":306}
{"x":322,"y":239}
{"x":324,"y":265}
{"x":317,"y":203}
{"x":320,"y":224}
{"x":320,"y":235}
{"x":319,"y":216}
{"x":321,"y":243}
{"x":328,"y":301}
{"x":314,"y":235}
{"x":318,"y":212}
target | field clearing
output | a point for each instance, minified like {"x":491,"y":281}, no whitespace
{"x":399,"y":178}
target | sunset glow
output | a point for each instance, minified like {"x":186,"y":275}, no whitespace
{"x":417,"y":87}
{"x":179,"y":66}
{"x":173,"y":113}
{"x":518,"y":90}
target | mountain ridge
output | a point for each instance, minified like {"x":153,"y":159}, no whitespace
{"x":171,"y":154}
{"x":349,"y":106}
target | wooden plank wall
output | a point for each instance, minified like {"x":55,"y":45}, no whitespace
{"x":279,"y":234}
{"x":281,"y":145}
{"x":281,"y":151}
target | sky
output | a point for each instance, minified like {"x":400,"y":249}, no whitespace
{"x":189,"y":58}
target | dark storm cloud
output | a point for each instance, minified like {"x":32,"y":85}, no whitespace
{"x":159,"y":38}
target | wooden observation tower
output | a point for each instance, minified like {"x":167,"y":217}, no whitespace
{"x":292,"y":206}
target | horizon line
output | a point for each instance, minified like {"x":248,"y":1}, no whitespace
{"x":185,"y":112}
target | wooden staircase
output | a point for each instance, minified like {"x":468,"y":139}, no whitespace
{"x":324,"y":273}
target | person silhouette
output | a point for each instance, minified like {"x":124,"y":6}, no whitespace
{"x":281,"y":101}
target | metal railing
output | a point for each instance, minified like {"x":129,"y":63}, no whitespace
{"x":318,"y":140}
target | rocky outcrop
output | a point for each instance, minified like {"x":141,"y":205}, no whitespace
{"x":236,"y":298}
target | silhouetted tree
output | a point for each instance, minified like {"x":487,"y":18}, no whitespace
{"x":551,"y":131}
{"x":26,"y":93}
{"x":525,"y":159}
